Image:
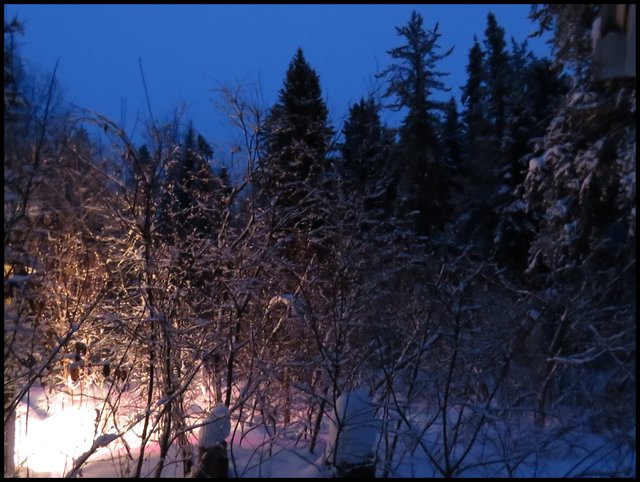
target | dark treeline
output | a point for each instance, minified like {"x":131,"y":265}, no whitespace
{"x":480,"y":252}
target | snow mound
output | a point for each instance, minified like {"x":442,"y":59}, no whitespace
{"x":352,"y":433}
{"x":216,"y":429}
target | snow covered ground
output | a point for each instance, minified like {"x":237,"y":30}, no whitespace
{"x":57,"y":428}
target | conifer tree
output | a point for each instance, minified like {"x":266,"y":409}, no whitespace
{"x":508,"y":99}
{"x":192,"y":201}
{"x":298,"y":135}
{"x":452,"y":136}
{"x":294,"y":172}
{"x":571,"y":41}
{"x":412,"y":81}
{"x":366,"y":143}
{"x":497,"y":75}
{"x":474,"y":100}
{"x":580,"y":188}
{"x":366,"y":154}
{"x":536,"y":91}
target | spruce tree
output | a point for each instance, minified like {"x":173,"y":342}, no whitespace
{"x":294,"y":171}
{"x":366,"y":143}
{"x":498,"y":79}
{"x":366,"y":154}
{"x":580,"y":186}
{"x":474,"y":100}
{"x":571,"y":42}
{"x":500,"y":121}
{"x":298,"y":135}
{"x":452,"y":137}
{"x":412,"y":81}
{"x":536,"y":91}
{"x":193,"y":197}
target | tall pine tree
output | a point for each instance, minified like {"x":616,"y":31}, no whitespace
{"x":298,"y":135}
{"x":293,"y":173}
{"x":451,"y":137}
{"x":497,"y":75}
{"x":474,"y":100}
{"x":366,"y":154}
{"x":366,"y":143}
{"x":413,"y":78}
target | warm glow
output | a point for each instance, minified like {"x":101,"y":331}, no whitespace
{"x":50,"y":444}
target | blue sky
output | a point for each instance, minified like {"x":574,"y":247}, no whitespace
{"x":189,"y":50}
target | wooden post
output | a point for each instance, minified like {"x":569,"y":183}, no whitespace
{"x":364,"y":470}
{"x":214,"y":463}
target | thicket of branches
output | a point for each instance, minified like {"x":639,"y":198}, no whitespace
{"x":491,"y":296}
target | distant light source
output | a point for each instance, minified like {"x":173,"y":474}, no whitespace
{"x":49,"y":444}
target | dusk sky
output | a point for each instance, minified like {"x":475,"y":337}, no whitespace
{"x":188,"y":51}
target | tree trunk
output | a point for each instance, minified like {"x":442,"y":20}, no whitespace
{"x":316,"y":428}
